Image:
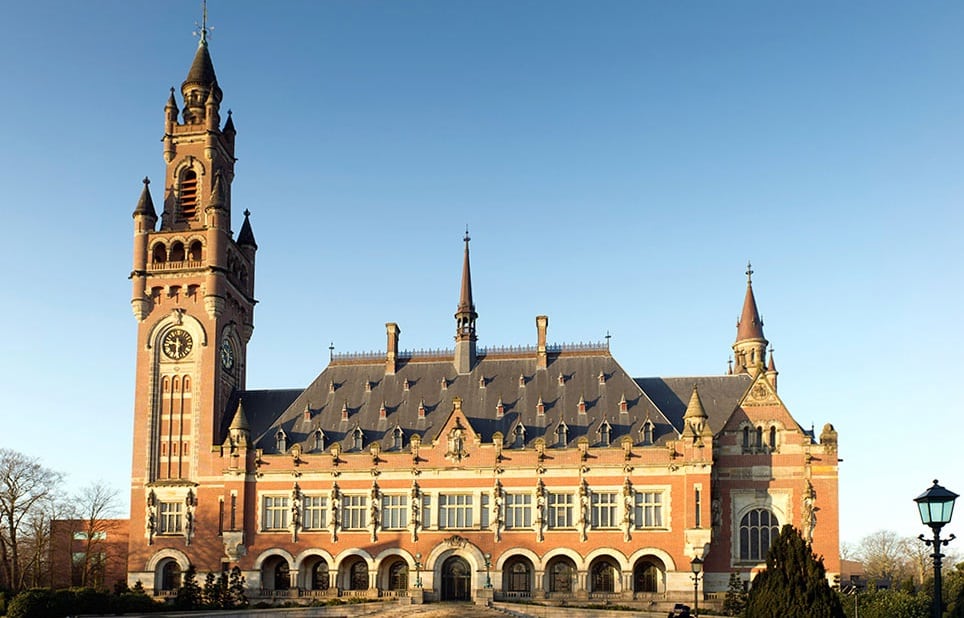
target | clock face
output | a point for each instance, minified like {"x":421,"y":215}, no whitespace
{"x":227,"y":354}
{"x":177,"y":344}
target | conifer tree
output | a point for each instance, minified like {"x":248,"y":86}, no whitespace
{"x":793,"y":584}
{"x":236,"y":583}
{"x":735,"y":601}
{"x":189,"y":594}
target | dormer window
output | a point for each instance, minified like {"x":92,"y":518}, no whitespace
{"x":520,"y":436}
{"x":562,"y":379}
{"x":605,"y":434}
{"x":382,"y":411}
{"x":188,"y":194}
{"x":397,"y":437}
{"x":602,"y":378}
{"x":562,"y":435}
{"x":499,"y":409}
{"x":319,"y":441}
{"x":540,"y":407}
{"x":357,"y":439}
{"x":647,"y":433}
{"x":623,"y":405}
{"x":281,"y":441}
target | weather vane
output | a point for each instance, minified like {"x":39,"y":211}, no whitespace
{"x":202,"y":29}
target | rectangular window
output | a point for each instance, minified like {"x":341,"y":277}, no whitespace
{"x":394,"y":512}
{"x":484,"y":511}
{"x":518,"y":511}
{"x":560,"y":510}
{"x":604,"y":509}
{"x":315,"y":512}
{"x":698,"y":498}
{"x":97,"y":536}
{"x":274,"y":516}
{"x":455,"y":511}
{"x":354,"y":512}
{"x":649,"y":509}
{"x":171,"y":520}
{"x":426,"y":511}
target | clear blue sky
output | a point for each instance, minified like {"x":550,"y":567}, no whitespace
{"x":617,"y":163}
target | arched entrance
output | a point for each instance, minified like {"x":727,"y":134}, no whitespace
{"x":275,"y":573}
{"x":170,"y":575}
{"x":517,"y":577}
{"x":603,"y":575}
{"x":398,"y":576}
{"x":561,"y":573}
{"x":648,"y":575}
{"x":456,"y":580}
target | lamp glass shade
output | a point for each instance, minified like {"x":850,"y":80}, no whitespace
{"x":936,"y":505}
{"x":696,"y":564}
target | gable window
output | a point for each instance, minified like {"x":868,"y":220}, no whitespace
{"x":274,"y":513}
{"x":758,"y":529}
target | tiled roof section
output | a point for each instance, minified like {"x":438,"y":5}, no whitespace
{"x":261,"y":408}
{"x":512,"y":381}
{"x":718,"y":394}
{"x":750,"y":325}
{"x":202,"y":69}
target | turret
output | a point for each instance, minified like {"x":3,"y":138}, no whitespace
{"x":200,"y":89}
{"x":465,"y":316}
{"x":694,"y":420}
{"x":145,"y":218}
{"x":750,"y":347}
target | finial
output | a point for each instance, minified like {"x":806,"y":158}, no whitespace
{"x":229,"y":110}
{"x":466,"y":239}
{"x":146,"y":181}
{"x":608,"y":337}
{"x":247,"y":213}
{"x":749,"y":272}
{"x":203,"y":29}
{"x":331,"y":350}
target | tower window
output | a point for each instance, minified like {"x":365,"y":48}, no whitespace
{"x":177,"y":252}
{"x":189,"y":194}
{"x":773,"y":437}
{"x":746,"y":437}
{"x":159,"y":253}
{"x":759,"y":436}
{"x":195,"y":251}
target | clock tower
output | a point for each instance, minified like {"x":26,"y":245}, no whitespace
{"x":193,"y":298}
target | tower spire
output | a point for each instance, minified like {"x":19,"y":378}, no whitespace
{"x":750,"y":346}
{"x":465,"y":316}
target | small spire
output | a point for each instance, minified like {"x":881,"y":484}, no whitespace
{"x":331,"y":351}
{"x":695,"y":407}
{"x":771,"y":364}
{"x":217,"y":193}
{"x":749,"y":326}
{"x":749,"y":273}
{"x":240,"y":421}
{"x":729,"y":366}
{"x":229,"y":125}
{"x":246,"y":236}
{"x":145,"y":205}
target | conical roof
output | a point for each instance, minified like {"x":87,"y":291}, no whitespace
{"x":246,"y":236}
{"x":750,"y":325}
{"x":465,"y":297}
{"x":145,"y":205}
{"x":240,"y":421}
{"x":202,"y":69}
{"x":695,"y":407}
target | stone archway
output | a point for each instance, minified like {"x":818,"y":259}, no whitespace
{"x":648,"y":575}
{"x":456,"y":580}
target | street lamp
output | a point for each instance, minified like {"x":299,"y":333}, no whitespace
{"x":936,"y":506}
{"x":418,"y":570}
{"x":488,"y":563}
{"x":696,"y":565}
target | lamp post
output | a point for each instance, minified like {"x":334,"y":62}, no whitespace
{"x":936,"y":506}
{"x":696,"y":564}
{"x":488,"y":563}
{"x":418,"y":570}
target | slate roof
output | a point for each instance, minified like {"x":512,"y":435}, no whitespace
{"x":342,"y":385}
{"x":719,"y":394}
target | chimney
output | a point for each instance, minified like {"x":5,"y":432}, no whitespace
{"x":542,"y":324}
{"x":391,"y":357}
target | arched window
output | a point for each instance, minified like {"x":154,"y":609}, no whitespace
{"x":319,"y":439}
{"x":159,"y":253}
{"x":281,"y":441}
{"x":282,"y":576}
{"x":398,"y":576}
{"x":319,"y":576}
{"x":758,"y":529}
{"x":759,"y":436}
{"x":358,"y":439}
{"x":603,"y":577}
{"x":359,"y":576}
{"x":746,"y":437}
{"x":519,"y":577}
{"x":188,"y":194}
{"x":194,"y":253}
{"x":170,"y":576}
{"x":177,"y":252}
{"x":605,"y":434}
{"x":773,"y":437}
{"x":561,"y":573}
{"x":397,"y":437}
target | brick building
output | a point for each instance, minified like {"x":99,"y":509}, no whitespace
{"x":85,"y":553}
{"x":536,"y":471}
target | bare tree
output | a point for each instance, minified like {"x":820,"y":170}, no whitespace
{"x":94,"y":507}
{"x":24,"y":486}
{"x":888,"y":556}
